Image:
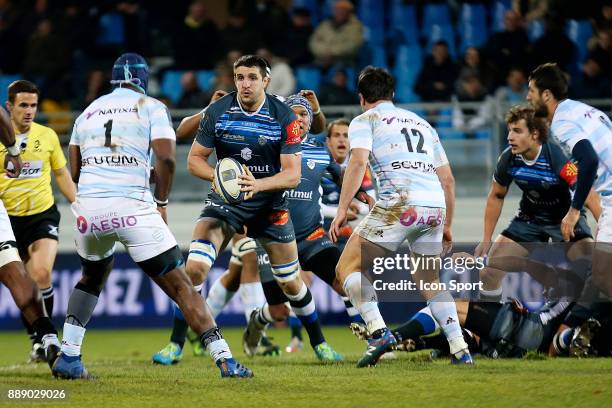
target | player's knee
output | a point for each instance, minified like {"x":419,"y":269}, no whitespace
{"x":279,"y":312}
{"x":94,"y":275}
{"x":491,"y":277}
{"x":202,"y":255}
{"x":41,"y":275}
{"x":285,"y":273}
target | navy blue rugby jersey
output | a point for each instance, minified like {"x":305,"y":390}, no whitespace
{"x":256,"y":139}
{"x":545,"y":182}
{"x":305,"y":199}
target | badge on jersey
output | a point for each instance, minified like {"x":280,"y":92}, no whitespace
{"x":31,"y":169}
{"x":293,"y":132}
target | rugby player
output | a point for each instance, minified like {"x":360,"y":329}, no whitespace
{"x":415,"y":182}
{"x":545,"y":176}
{"x":110,"y":155}
{"x":23,"y":289}
{"x":584,"y":133}
{"x":28,"y":199}
{"x":264,"y":135}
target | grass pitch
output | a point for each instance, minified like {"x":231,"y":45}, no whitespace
{"x":121,"y":360}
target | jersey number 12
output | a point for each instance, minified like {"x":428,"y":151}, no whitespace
{"x":415,"y":133}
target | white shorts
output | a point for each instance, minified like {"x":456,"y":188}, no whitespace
{"x":101,"y":222}
{"x":8,"y":246}
{"x":604,"y":229}
{"x":391,"y":222}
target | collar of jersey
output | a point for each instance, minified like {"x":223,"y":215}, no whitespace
{"x":250,"y":113}
{"x":125,"y":90}
{"x":534,"y":161}
{"x":385,"y":105}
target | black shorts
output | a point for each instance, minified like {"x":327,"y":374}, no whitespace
{"x":314,"y":243}
{"x":271,"y":223}
{"x":526,"y":231}
{"x":30,"y":228}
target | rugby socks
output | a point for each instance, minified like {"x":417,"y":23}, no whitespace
{"x":443,"y":309}
{"x":80,"y":309}
{"x":47,"y":295}
{"x":179,"y":324}
{"x":363,"y":297}
{"x":264,"y":317}
{"x":218,"y":297}
{"x":493,"y":295}
{"x":295,"y":325}
{"x":252,"y":297}
{"x":304,"y":307}
{"x":45,"y":332}
{"x":213,"y":341}
{"x":421,"y":324}
{"x":351,"y":311}
{"x":561,"y":341}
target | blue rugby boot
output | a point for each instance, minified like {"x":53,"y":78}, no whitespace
{"x":378,"y":345}
{"x":465,"y":359}
{"x":171,"y":354}
{"x":70,"y":368}
{"x":230,"y":368}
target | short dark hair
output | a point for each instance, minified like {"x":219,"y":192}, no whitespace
{"x":330,"y":125}
{"x":533,"y":122}
{"x":250,"y":61}
{"x":550,"y":76}
{"x":375,"y":84}
{"x":19,"y":86}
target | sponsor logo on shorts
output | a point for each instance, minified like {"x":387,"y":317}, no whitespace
{"x":279,"y":217}
{"x":81,"y":223}
{"x":316,"y":234}
{"x":410,"y":216}
{"x":54,"y":230}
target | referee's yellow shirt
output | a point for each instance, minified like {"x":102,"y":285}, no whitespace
{"x":31,"y":193}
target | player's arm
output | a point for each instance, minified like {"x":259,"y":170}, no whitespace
{"x":197,"y":162}
{"x":189,"y":125}
{"x":593,"y":204}
{"x":165,"y":164}
{"x":318,"y":117}
{"x":74,"y":155}
{"x":7,"y":137}
{"x":447,"y":180}
{"x":353,"y":177}
{"x":65,"y":183}
{"x":493,"y":209}
{"x":287,"y":178}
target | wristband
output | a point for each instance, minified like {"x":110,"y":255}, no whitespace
{"x":318,"y":112}
{"x":13,"y":150}
{"x":160,"y":203}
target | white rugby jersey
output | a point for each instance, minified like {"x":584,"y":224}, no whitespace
{"x":405,"y":153}
{"x":574,"y":121}
{"x":114,"y":134}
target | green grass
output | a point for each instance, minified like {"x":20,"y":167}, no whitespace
{"x":121,"y":359}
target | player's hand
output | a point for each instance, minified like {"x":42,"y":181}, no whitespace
{"x":12,"y":166}
{"x":249,"y":183}
{"x":366,"y":198}
{"x":219,"y":93}
{"x":568,"y":223}
{"x":482,"y":249}
{"x":337,"y":223}
{"x":312,"y":98}
{"x":163,"y":213}
{"x":447,"y":240}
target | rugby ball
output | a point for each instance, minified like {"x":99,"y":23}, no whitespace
{"x":226,"y":181}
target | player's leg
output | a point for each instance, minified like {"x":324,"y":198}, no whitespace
{"x":250,"y":291}
{"x":602,"y":253}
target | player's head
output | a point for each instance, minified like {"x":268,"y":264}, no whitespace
{"x":337,"y":139}
{"x":547,"y":84}
{"x":22,"y":103}
{"x":302,"y":108}
{"x":526,"y":130}
{"x":374,"y":84}
{"x":251,"y":77}
{"x":132,"y":70}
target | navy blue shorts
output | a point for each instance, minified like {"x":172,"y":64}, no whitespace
{"x":526,"y":231}
{"x":271,"y":223}
{"x":314,"y":243}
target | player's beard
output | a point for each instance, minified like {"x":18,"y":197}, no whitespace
{"x":540,"y":110}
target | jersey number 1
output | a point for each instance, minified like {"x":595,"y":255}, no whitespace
{"x":107,"y":135}
{"x":415,"y":133}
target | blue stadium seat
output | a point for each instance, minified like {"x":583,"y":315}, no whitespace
{"x":406,"y":70}
{"x":372,"y":15}
{"x":370,"y":54}
{"x":351,"y":77}
{"x":5,"y":81}
{"x":579,"y":31}
{"x":171,"y":85}
{"x":442,"y":32}
{"x":308,"y":78}
{"x":450,"y":134}
{"x":472,"y":27}
{"x":498,"y":10}
{"x":434,"y":14}
{"x":444,"y":119}
{"x":482,"y":134}
{"x":313,"y":6}
{"x":206,"y":79}
{"x":110,"y":29}
{"x":535,"y":29}
{"x":403,"y":28}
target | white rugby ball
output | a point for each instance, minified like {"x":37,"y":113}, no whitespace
{"x":227,"y":171}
